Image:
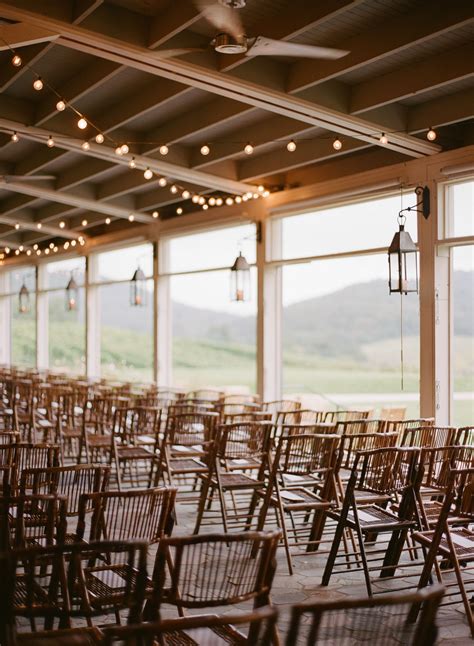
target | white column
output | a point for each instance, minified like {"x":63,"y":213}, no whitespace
{"x":92,"y":319}
{"x":5,"y":321}
{"x":42,"y":319}
{"x":163,"y":318}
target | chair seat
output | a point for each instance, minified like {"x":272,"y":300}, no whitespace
{"x":66,"y":637}
{"x":463,"y":541}
{"x":99,"y":441}
{"x":300,"y":498}
{"x":237,"y":481}
{"x":372,"y":517}
{"x":215,"y":636}
{"x":184,"y":465}
{"x":243,"y":464}
{"x":134,"y":453}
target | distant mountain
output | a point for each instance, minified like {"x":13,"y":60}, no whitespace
{"x":336,"y":324}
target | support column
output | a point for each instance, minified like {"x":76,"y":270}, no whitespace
{"x":92,"y":319}
{"x":163,"y":338}
{"x":5,"y":321}
{"x":42,"y":316}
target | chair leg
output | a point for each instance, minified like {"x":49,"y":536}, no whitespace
{"x":333,"y":552}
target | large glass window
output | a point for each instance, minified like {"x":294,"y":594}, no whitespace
{"x":343,"y":334}
{"x":126,"y":330}
{"x":23,"y":318}
{"x":214,"y":338}
{"x":66,"y":316}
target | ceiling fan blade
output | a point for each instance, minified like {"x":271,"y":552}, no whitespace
{"x":269,"y":47}
{"x":172,"y":53}
{"x":224,"y":19}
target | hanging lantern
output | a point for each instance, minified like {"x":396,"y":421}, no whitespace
{"x":137,"y":288}
{"x":24,"y":299}
{"x":402,"y":262}
{"x":72,"y":293}
{"x":240,"y":279}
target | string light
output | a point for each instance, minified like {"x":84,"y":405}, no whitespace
{"x":86,"y":145}
{"x":51,"y":245}
{"x":66,"y":245}
{"x":16,"y":61}
{"x":164,"y":150}
{"x":383,"y":138}
{"x":7,"y":249}
{"x":131,"y":163}
{"x":38,"y":253}
{"x":431,"y":134}
{"x":229,"y":201}
{"x":131,"y":217}
{"x":46,"y":251}
{"x":73,"y":243}
{"x":28,"y":252}
{"x":260,"y":188}
{"x":212,"y":201}
{"x":15,"y":138}
{"x":50,"y":142}
{"x":82,"y":123}
{"x":291,"y":146}
{"x":39,"y":225}
{"x":21,"y":247}
{"x":205,"y":207}
{"x":174,"y":189}
{"x":99,"y":138}
{"x":219,"y":201}
{"x":337,"y":144}
{"x":62,"y":224}
{"x":205,"y":150}
{"x":84,"y":223}
{"x":60,"y":105}
{"x":179,"y":210}
{"x":125,"y":149}
{"x":155,"y":214}
{"x":202,"y":200}
{"x":266,"y":193}
{"x":55,"y":249}
{"x":195,"y":199}
{"x":162,"y":182}
{"x":17,"y":226}
{"x":38,"y":84}
{"x":35,"y":247}
{"x":118,"y":151}
{"x":238,"y":199}
{"x":186,"y":195}
{"x":248,"y":150}
{"x":17,"y":252}
{"x":107,"y":220}
{"x":148,"y":174}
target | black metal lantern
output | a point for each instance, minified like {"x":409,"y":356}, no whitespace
{"x":24,"y":299}
{"x":240,"y":279}
{"x":137,"y":289}
{"x":403,"y":263}
{"x":72,"y":294}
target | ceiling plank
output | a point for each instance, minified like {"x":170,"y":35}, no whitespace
{"x":414,"y":78}
{"x":443,"y":110}
{"x":83,"y":8}
{"x":427,"y":21}
{"x":217,"y":83}
{"x":175,"y":19}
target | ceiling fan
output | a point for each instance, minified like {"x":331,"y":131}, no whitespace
{"x":232,"y":39}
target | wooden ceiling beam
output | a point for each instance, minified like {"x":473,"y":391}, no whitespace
{"x":272,"y":100}
{"x":399,"y":33}
{"x":175,"y":19}
{"x":414,"y":78}
{"x":443,"y":110}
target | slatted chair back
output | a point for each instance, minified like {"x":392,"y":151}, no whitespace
{"x":70,"y":481}
{"x":190,"y":406}
{"x":386,"y":471}
{"x":254,"y":416}
{"x":213,"y":570}
{"x":237,"y":407}
{"x":306,"y":429}
{"x":188,"y":429}
{"x":206,"y":630}
{"x":281,"y":406}
{"x":145,"y":514}
{"x":302,"y":455}
{"x":31,"y":520}
{"x":353,"y":443}
{"x":400,"y":426}
{"x":360,"y":426}
{"x":465,"y":436}
{"x":428,"y":436}
{"x":133,"y":423}
{"x":39,"y":456}
{"x":382,"y":620}
{"x":346,"y":415}
{"x":9,"y":437}
{"x":243,"y":441}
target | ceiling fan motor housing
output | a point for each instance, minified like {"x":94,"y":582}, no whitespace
{"x":227,"y":44}
{"x":233,"y":4}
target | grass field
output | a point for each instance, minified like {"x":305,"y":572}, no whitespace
{"x":197,"y":363}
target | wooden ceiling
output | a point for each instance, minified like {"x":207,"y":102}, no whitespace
{"x":410,"y":66}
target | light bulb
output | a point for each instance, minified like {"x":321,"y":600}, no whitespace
{"x":46,"y":251}
{"x":238,"y":199}
{"x":17,"y":252}
{"x":39,"y":225}
{"x":337,"y":144}
{"x":383,"y":138}
{"x":291,"y":146}
{"x":205,"y":207}
{"x":35,"y":247}
{"x":131,"y":217}
{"x":66,"y":245}
{"x":179,"y":210}
{"x":73,"y":243}
{"x":7,"y":249}
{"x":248,"y":150}
{"x":38,"y":253}
{"x":163,"y":181}
{"x":17,"y":226}
{"x":205,"y":150}
{"x":84,"y":222}
{"x":266,"y":193}
{"x":186,"y":195}
{"x":82,"y":242}
{"x":195,"y":199}
{"x":431,"y":134}
{"x":15,"y":138}
{"x":21,"y":247}
{"x":50,"y":142}
{"x":212,"y":201}
{"x":62,"y":224}
{"x":125,"y":149}
{"x":107,"y":220}
{"x":174,"y":189}
{"x":38,"y":84}
{"x":164,"y":150}
{"x":82,"y":123}
{"x":60,"y":105}
{"x":99,"y":138}
{"x":16,"y":61}
{"x":28,"y":252}
{"x":51,"y":245}
{"x":249,"y":195}
{"x":255,"y":196}
{"x":219,"y":201}
{"x":229,"y":201}
{"x":55,"y":249}
{"x":202,"y":200}
{"x":244,"y":197}
{"x":155,"y":214}
{"x":131,"y":163}
{"x":148,"y":174}
{"x":260,"y":188}
{"x":118,"y":150}
{"x":85,"y":145}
